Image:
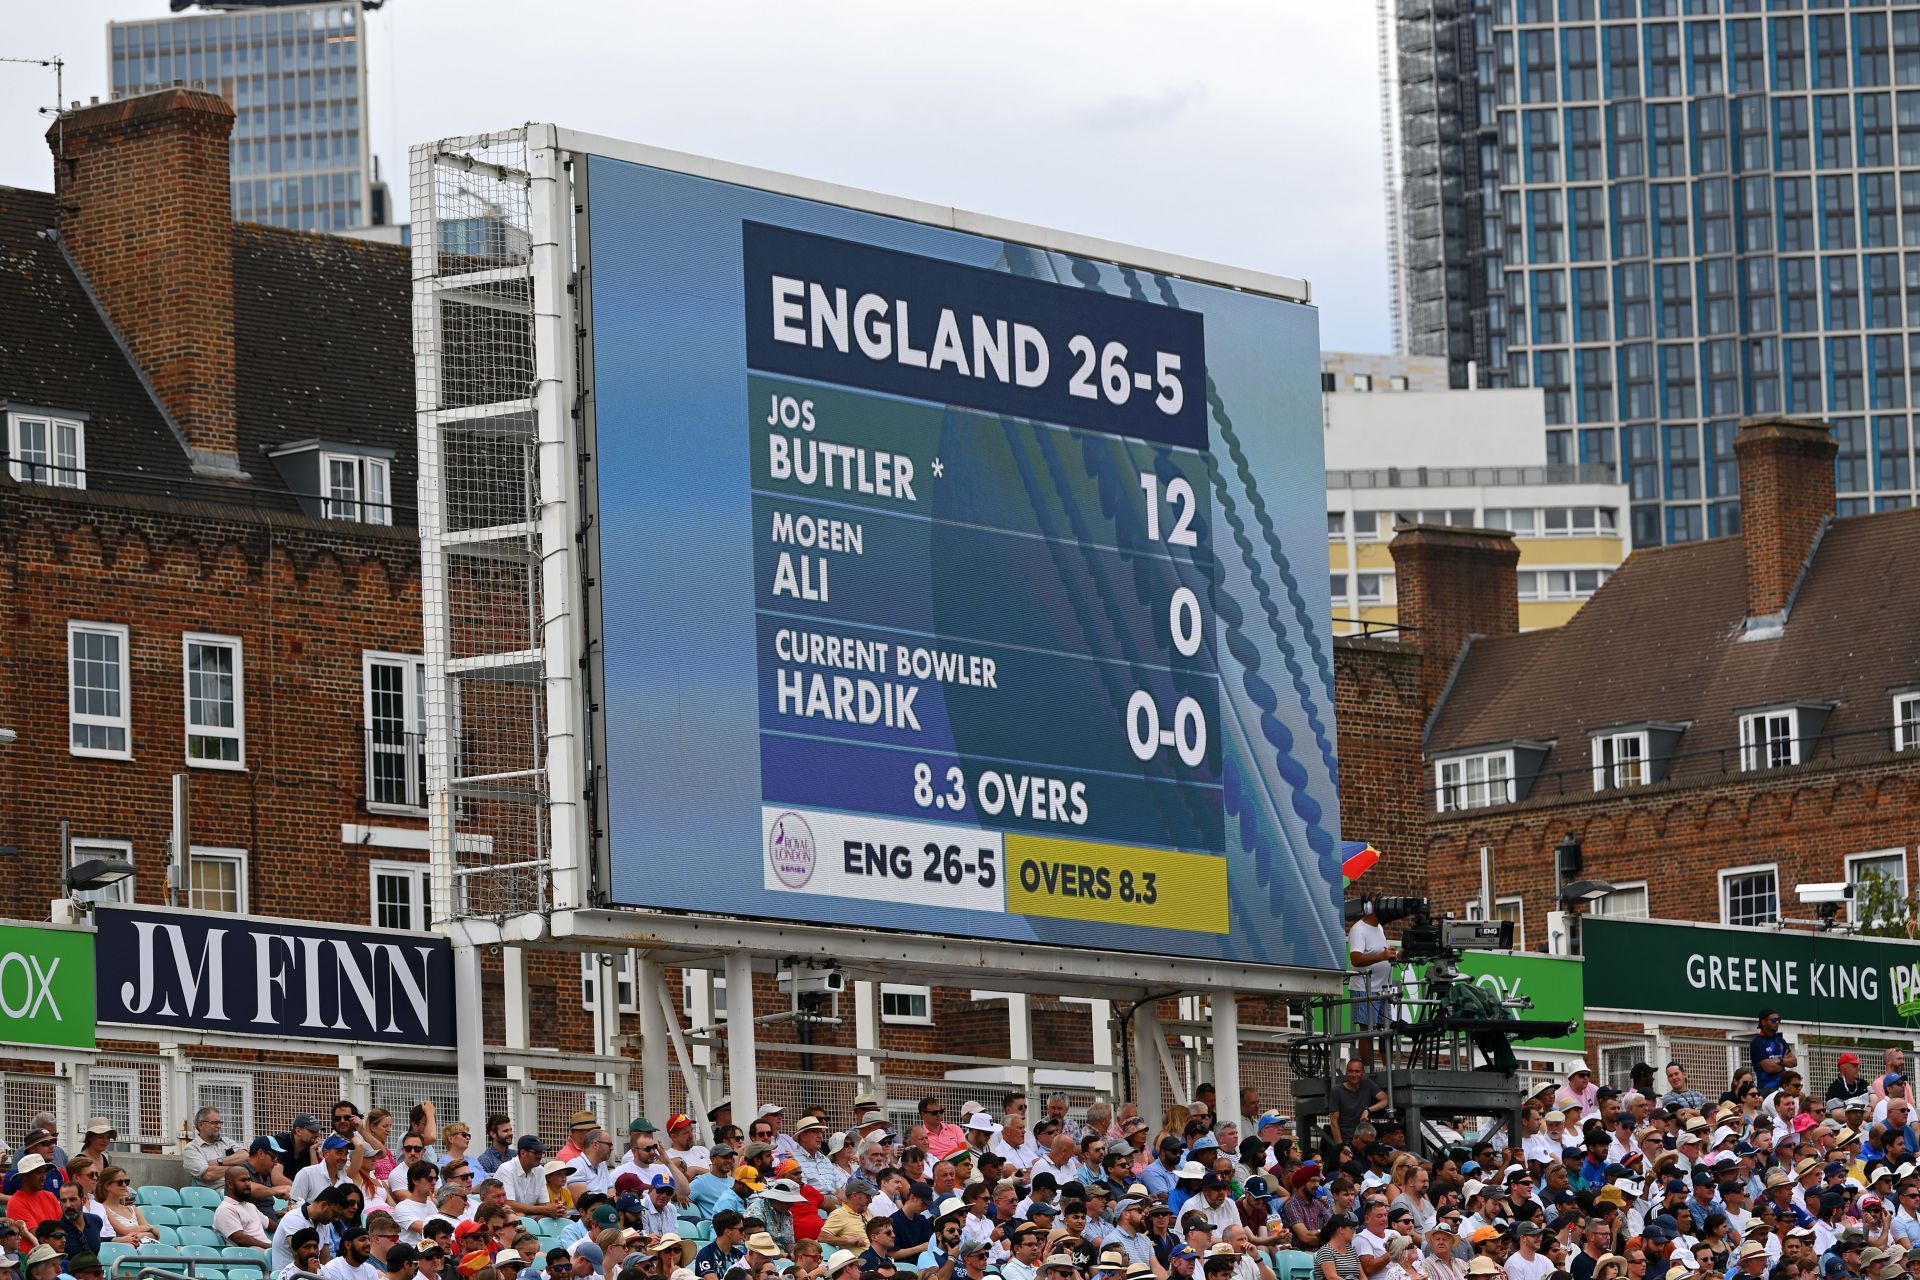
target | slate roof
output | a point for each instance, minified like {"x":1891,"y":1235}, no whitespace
{"x":57,"y":353}
{"x":1661,"y":641}
{"x":323,"y":341}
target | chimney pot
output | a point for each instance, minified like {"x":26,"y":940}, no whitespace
{"x":1786,"y":498}
{"x":1452,"y":583}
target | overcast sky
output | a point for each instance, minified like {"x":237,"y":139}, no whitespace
{"x":1245,"y":131}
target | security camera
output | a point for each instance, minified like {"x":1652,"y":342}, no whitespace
{"x":813,"y":982}
{"x":1828,"y":891}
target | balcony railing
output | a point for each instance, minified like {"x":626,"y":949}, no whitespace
{"x":1701,"y":767}
{"x":396,"y":769}
{"x":1470,"y":477}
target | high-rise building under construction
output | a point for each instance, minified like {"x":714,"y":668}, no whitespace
{"x":1669,"y":215}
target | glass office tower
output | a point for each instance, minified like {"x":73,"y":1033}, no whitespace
{"x":296,"y":76}
{"x":1668,"y":215}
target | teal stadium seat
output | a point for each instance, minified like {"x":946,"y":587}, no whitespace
{"x":148,"y":1197}
{"x":203,"y":1197}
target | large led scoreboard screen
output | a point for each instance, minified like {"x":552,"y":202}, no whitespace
{"x":954,"y":584}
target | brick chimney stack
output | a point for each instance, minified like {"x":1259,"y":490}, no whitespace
{"x":143,"y":200}
{"x":1452,"y":583}
{"x":1786,"y":498}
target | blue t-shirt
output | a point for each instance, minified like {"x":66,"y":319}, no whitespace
{"x":705,"y":1192}
{"x":712,"y":1260}
{"x":1762,"y":1048}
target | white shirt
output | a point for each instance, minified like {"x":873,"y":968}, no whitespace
{"x":412,"y":1217}
{"x":312,"y":1180}
{"x":527,"y":1186}
{"x":1544,"y":1147}
{"x":1219,"y":1217}
{"x":1062,"y":1176}
{"x":646,"y":1173}
{"x":1539,"y":1268}
{"x":339,"y":1270}
{"x":600,"y":1179}
{"x":694,"y":1157}
{"x":1020,"y":1157}
{"x":1369,"y":1245}
{"x":290,"y":1222}
{"x":1364,"y":937}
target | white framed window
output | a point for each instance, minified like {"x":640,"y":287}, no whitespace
{"x":1569,"y":584}
{"x":397,"y":894}
{"x":1458,"y":517}
{"x":623,"y":980}
{"x":395,"y":691}
{"x":99,"y":704}
{"x":212,"y":666}
{"x":120,"y":891}
{"x":1628,"y":899}
{"x":1578,"y":522}
{"x":1769,"y":740}
{"x":1473,"y":781}
{"x":1337,"y":586}
{"x":906,"y":1005}
{"x":693,"y":986}
{"x":1373,"y":588}
{"x":1750,"y":895}
{"x":354,"y":487}
{"x":1891,"y":863}
{"x":1906,"y":721}
{"x":229,"y":1093}
{"x":1367,"y":526}
{"x":42,"y":449}
{"x":1527,"y":584}
{"x":1619,"y":760}
{"x":1363,"y":382}
{"x":1336,"y":525}
{"x":219,"y":881}
{"x":114,"y":1092}
{"x":1519,"y":521}
{"x":1509,"y":908}
{"x":1397,"y":383}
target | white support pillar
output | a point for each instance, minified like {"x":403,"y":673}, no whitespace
{"x":1020,"y":1044}
{"x":513,"y":984}
{"x":1100,"y":1020}
{"x":469,"y":1034}
{"x":866,"y":1030}
{"x":1147,"y":1052}
{"x":742,"y":1070}
{"x":1226,"y":1052}
{"x":179,"y":1086}
{"x":649,"y":992}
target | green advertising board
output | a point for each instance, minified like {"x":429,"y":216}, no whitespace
{"x":46,"y":986}
{"x":1663,"y":966}
{"x":1553,"y":983}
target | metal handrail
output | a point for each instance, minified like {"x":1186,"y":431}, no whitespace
{"x":1714,"y":763}
{"x":190,"y":489}
{"x":1470,"y":477}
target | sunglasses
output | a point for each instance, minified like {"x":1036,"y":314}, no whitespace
{"x":412,"y":1151}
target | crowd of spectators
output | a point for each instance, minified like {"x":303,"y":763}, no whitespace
{"x":1767,"y":1181}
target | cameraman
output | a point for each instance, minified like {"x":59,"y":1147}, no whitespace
{"x":1371,"y":956}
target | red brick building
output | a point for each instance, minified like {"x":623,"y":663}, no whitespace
{"x":1722,"y":722}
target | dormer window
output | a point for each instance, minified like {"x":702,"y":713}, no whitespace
{"x":339,"y":481}
{"x":1501,"y":773}
{"x":356,"y":488}
{"x":1768,"y":740}
{"x":1776,"y":737}
{"x":48,"y":448}
{"x":1619,"y":760}
{"x":1633,"y":755}
{"x":1474,"y":781}
{"x":1906,"y":720}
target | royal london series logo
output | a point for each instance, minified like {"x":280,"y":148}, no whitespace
{"x":790,"y":849}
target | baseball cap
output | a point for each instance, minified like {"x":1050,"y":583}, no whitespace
{"x":530,"y":1143}
{"x":264,"y":1142}
{"x":1846,"y":1058}
{"x":335,"y":1142}
{"x":643,"y":1125}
